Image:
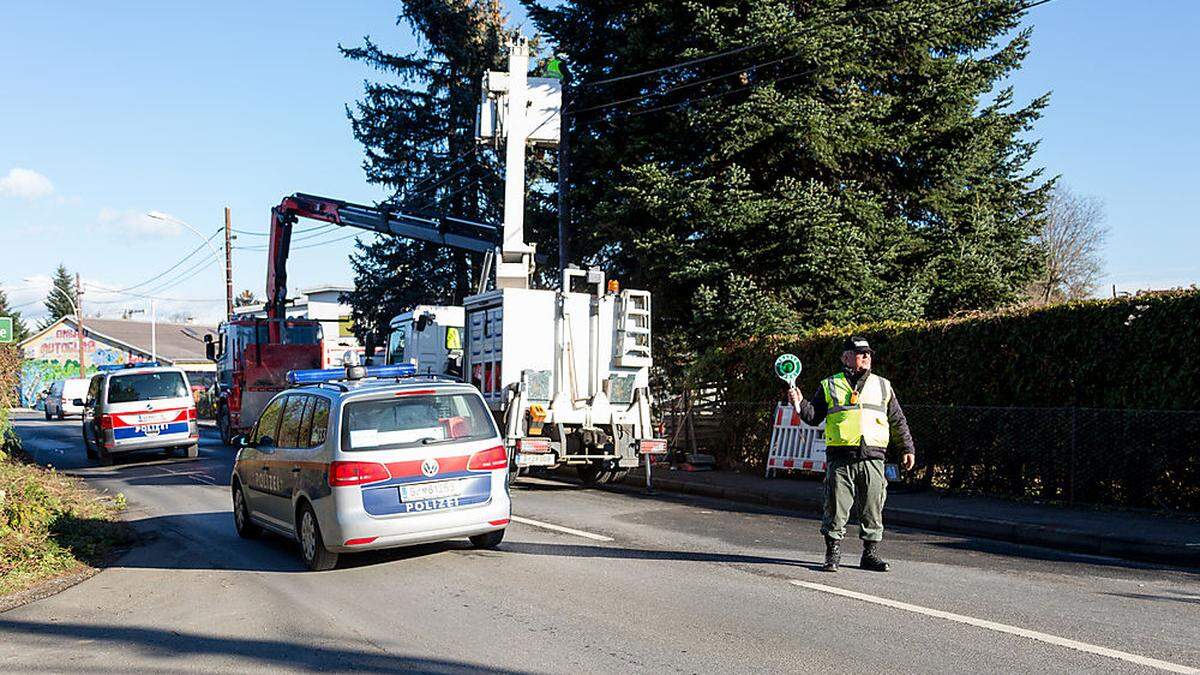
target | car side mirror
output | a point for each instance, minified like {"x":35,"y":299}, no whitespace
{"x":77,"y":401}
{"x":241,"y":441}
{"x":210,"y":348}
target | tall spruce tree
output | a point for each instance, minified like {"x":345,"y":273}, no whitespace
{"x":853,"y":160}
{"x":61,"y":300}
{"x":19,"y":329}
{"x":418,"y":130}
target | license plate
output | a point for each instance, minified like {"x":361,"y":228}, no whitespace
{"x":440,"y":490}
{"x":535,"y":459}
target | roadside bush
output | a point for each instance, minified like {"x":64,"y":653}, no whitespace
{"x":1129,"y":367}
{"x":50,"y":524}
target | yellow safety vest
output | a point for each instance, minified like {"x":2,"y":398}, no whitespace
{"x":866,"y":420}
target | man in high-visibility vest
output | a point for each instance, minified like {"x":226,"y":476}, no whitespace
{"x":862,"y":416}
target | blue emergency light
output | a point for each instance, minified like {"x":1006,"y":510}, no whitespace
{"x":295,"y":377}
{"x":126,"y":366}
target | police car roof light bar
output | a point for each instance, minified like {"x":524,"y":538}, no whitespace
{"x":295,"y":377}
{"x":127,"y":366}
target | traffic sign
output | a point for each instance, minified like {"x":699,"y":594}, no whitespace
{"x":6,"y":333}
{"x":787,"y":367}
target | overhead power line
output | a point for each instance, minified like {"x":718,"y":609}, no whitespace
{"x":751,"y":85}
{"x":729,"y":52}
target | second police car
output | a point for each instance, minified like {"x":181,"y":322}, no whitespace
{"x":370,"y":457}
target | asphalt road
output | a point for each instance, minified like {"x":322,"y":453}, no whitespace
{"x":662,"y":584}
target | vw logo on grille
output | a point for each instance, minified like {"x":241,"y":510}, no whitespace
{"x":430,"y":467}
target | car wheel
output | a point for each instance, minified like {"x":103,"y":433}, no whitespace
{"x":48,"y":415}
{"x":241,"y":515}
{"x":106,"y":459}
{"x":488,"y":539}
{"x":87,"y":446}
{"x":312,"y":546}
{"x":191,"y":451}
{"x":61,"y":415}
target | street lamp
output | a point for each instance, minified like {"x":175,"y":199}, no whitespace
{"x":166,"y":217}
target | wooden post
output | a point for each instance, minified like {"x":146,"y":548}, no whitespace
{"x":228,"y":268}
{"x":79,"y":323}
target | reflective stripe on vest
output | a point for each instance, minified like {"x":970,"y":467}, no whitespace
{"x":866,"y":420}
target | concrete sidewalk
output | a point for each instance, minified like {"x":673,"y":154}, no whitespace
{"x":1121,"y":534}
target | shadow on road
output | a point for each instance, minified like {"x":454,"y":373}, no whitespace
{"x":1027,"y":552}
{"x":153,"y":643}
{"x":616,"y":552}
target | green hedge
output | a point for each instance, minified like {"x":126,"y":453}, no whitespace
{"x":1138,"y":353}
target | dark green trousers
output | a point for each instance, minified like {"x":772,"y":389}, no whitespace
{"x":857,"y":485}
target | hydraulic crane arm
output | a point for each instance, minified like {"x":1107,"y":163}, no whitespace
{"x":443,"y":230}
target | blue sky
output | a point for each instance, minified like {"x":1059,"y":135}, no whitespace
{"x":113,"y":110}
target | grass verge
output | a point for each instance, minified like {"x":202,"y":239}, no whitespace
{"x":52,"y":525}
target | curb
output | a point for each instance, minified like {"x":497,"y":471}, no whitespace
{"x":1059,"y":538}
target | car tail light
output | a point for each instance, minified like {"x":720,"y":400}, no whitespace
{"x":653,"y":446}
{"x":191,"y":415}
{"x":533,"y":445}
{"x":488,"y":460}
{"x":356,"y":473}
{"x":106,"y":421}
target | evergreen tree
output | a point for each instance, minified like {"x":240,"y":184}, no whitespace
{"x":418,"y":129}
{"x":19,"y":329}
{"x":852,"y":161}
{"x":61,"y":300}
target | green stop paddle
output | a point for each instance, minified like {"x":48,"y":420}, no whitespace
{"x":787,"y":367}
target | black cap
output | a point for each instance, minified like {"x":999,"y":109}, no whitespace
{"x":858,"y":345}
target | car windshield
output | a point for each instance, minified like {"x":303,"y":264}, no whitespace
{"x":146,"y":387}
{"x":415,"y":419}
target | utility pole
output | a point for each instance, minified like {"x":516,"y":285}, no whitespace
{"x":79,"y":323}
{"x":153,"y":332}
{"x":564,"y":168}
{"x":228,"y":268}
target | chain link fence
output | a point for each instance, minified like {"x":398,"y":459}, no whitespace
{"x":1129,"y":458}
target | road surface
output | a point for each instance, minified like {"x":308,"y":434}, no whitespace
{"x":587,"y":581}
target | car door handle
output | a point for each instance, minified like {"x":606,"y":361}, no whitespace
{"x":295,"y":469}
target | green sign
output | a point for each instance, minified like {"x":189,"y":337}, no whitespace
{"x":787,"y":367}
{"x":6,"y":329}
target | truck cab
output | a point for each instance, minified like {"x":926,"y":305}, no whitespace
{"x":251,"y":369}
{"x":429,"y":336}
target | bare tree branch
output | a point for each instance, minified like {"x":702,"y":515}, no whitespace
{"x":1072,"y":240}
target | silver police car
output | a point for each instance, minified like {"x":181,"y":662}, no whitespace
{"x":368,"y":458}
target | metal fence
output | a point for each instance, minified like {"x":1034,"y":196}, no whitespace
{"x":1129,"y":458}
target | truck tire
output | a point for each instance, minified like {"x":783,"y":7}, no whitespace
{"x":223,"y":426}
{"x":591,"y":473}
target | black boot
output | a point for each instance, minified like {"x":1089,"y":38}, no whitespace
{"x":833,"y":554}
{"x":870,"y":558}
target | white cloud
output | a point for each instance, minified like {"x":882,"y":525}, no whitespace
{"x":139,"y":223}
{"x":25,"y":184}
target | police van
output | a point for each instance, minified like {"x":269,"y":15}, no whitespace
{"x":139,"y":406}
{"x":368,"y":458}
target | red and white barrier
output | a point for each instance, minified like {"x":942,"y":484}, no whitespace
{"x":795,"y":446}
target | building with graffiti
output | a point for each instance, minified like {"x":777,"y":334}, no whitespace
{"x":53,"y":352}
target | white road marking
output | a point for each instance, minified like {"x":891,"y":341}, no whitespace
{"x":1002,"y":628}
{"x":560,"y":528}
